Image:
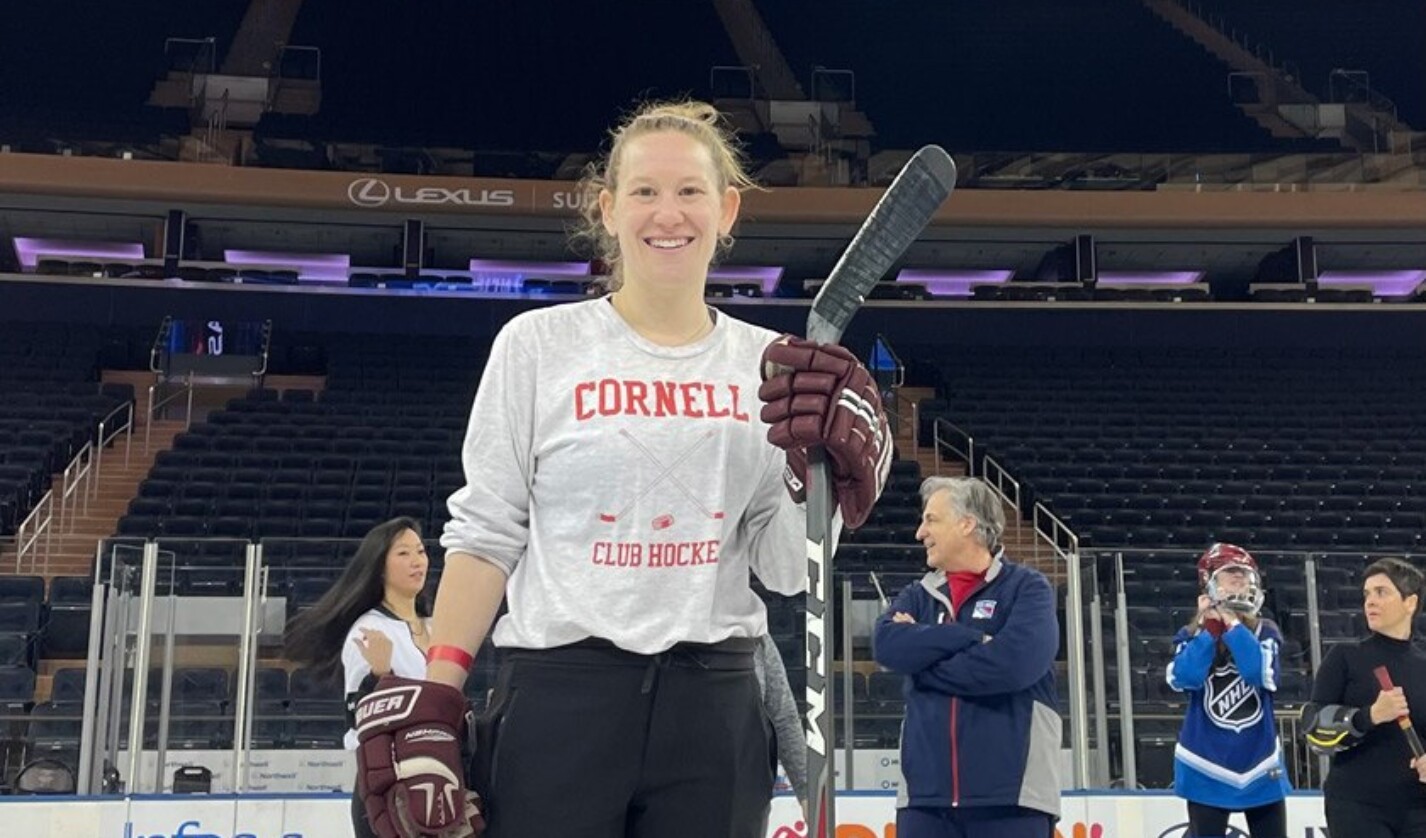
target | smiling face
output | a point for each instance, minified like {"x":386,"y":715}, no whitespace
{"x":405,"y":570}
{"x":667,"y":208}
{"x":948,"y":536}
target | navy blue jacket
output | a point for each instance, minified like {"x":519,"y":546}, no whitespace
{"x":981,"y":725}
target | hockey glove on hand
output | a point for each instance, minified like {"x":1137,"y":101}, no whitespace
{"x":409,"y":768}
{"x":820,"y":394}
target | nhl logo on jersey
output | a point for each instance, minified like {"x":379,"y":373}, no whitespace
{"x":1231,"y":702}
{"x":984,"y":610}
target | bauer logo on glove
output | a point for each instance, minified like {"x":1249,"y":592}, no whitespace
{"x":385,"y":706}
{"x":409,"y":765}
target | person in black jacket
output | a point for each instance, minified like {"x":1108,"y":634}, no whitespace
{"x":976,"y":639}
{"x":1375,"y":789}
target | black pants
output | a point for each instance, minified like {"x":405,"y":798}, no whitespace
{"x":1269,"y":821}
{"x":1363,"y":820}
{"x":589,"y":741}
{"x":974,"y":822}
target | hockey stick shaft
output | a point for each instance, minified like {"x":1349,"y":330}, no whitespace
{"x":894,"y":223}
{"x":1413,"y":741}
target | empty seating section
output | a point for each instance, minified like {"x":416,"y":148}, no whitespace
{"x":383,"y":439}
{"x":50,"y":405}
{"x":24,"y":625}
{"x":1296,"y":450}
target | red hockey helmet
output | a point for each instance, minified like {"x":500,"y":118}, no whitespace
{"x":1245,"y":594}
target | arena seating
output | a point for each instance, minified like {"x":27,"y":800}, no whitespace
{"x":383,"y":440}
{"x":1278,"y":450}
{"x":50,"y":405}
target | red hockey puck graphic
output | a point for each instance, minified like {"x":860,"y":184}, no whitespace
{"x":663,"y":522}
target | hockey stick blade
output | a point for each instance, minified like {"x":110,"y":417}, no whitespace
{"x":898,"y":218}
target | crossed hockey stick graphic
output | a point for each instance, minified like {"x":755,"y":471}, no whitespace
{"x":665,"y":475}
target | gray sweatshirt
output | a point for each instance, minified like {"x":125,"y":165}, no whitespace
{"x":782,"y":711}
{"x":626,"y":488}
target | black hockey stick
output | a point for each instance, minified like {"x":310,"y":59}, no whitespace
{"x":897,"y":219}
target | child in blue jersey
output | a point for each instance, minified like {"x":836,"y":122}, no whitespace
{"x":1228,"y":757}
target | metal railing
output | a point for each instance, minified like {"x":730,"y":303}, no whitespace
{"x":1065,"y":544}
{"x":1122,"y":665}
{"x":1000,"y":480}
{"x":154,"y":407}
{"x":1347,"y":86}
{"x":915,"y":424}
{"x":952,"y":438}
{"x":108,"y":430}
{"x":1091,"y":721}
{"x":1007,"y":487}
{"x":266,"y":354}
{"x":158,"y":352}
{"x":79,"y":473}
{"x":191,"y":55}
{"x":39,"y":523}
{"x":890,"y":375}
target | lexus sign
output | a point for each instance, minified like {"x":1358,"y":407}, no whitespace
{"x":371,"y":192}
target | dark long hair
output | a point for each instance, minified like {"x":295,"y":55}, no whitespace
{"x":315,"y":636}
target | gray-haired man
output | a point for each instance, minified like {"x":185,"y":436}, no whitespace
{"x":976,"y":639}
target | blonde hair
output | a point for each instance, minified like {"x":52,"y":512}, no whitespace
{"x":699,"y":120}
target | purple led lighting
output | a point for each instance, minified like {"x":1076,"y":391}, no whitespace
{"x":29,"y":251}
{"x":1149,"y":277}
{"x":1383,"y":283}
{"x":952,"y":283}
{"x":328,"y":266}
{"x":766,"y":276}
{"x":493,"y":267}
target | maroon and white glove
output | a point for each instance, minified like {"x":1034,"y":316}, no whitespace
{"x":820,"y":394}
{"x":409,"y":767}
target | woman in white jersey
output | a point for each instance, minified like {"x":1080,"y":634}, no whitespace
{"x":620,"y":486}
{"x":371,"y":623}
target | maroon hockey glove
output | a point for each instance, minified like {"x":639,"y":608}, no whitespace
{"x":820,"y":394}
{"x":1215,"y":626}
{"x":409,"y":770}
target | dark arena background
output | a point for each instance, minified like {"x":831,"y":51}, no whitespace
{"x":253,"y":254}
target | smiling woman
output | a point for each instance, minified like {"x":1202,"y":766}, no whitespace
{"x":685,"y":188}
{"x":619,"y":490}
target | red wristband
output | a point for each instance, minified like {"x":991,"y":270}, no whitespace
{"x":451,"y":654}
